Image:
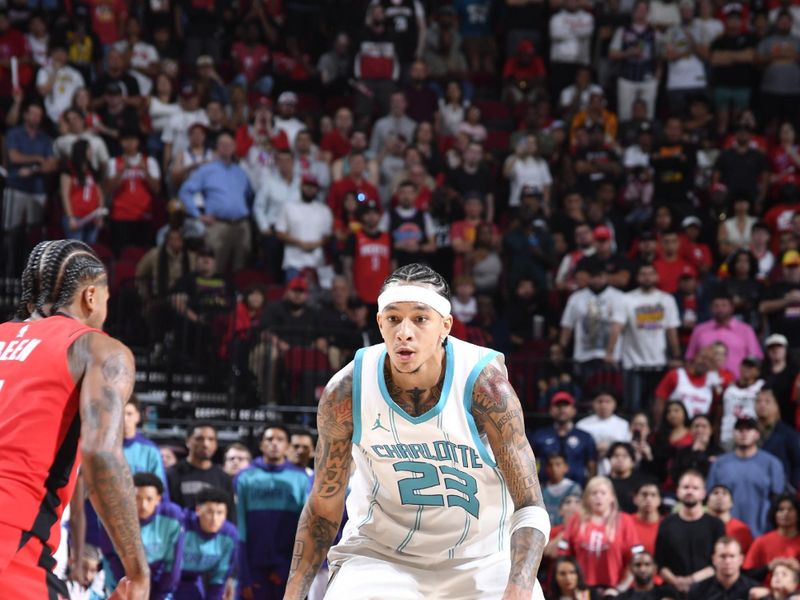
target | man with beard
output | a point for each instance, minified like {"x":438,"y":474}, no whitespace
{"x":686,"y":538}
{"x":643,"y":568}
{"x":752,"y":475}
{"x":590,"y":313}
{"x":648,"y":325}
{"x":304,"y":228}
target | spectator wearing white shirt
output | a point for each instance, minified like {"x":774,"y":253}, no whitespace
{"x":161,"y":106}
{"x":38,"y":39}
{"x":794,"y":12}
{"x":304,"y":228}
{"x":525,"y":168}
{"x":143,"y":56}
{"x":575,"y":97}
{"x":603,"y":425}
{"x":686,"y":73}
{"x":705,"y":28}
{"x":281,"y":186}
{"x":589,"y":315}
{"x":285,"y":119}
{"x":175,"y":135}
{"x":57,"y":82}
{"x":571,"y":31}
{"x":647,"y":326}
{"x":76,"y":130}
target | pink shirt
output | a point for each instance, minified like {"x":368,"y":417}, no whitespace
{"x":737,"y":336}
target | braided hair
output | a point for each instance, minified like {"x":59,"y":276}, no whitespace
{"x":418,"y":273}
{"x":31,"y":280}
{"x":64,"y":265}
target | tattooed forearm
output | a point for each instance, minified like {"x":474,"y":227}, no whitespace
{"x":314,"y":536}
{"x":497,"y":413}
{"x":527,"y":547}
{"x":107,"y":384}
{"x":322,"y":514}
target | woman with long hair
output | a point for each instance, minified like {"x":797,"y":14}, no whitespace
{"x":601,"y":538}
{"x":81,"y":195}
{"x":568,"y":583}
{"x":783,"y":541}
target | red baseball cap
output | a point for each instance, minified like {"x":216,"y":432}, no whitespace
{"x":562,"y":396}
{"x":601,"y":232}
{"x":298,"y":283}
{"x":688,"y":271}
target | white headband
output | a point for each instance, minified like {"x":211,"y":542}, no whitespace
{"x":414,"y":293}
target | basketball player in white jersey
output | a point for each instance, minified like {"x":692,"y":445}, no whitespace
{"x":444,"y":498}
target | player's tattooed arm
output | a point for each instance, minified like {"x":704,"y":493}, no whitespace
{"x":497,"y":412}
{"x":322,"y":514}
{"x":106,"y":384}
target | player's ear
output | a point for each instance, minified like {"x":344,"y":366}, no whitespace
{"x":89,"y":298}
{"x":447,"y":324}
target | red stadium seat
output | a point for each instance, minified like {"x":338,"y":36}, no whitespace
{"x":498,"y":141}
{"x":133,"y":253}
{"x":247,"y":277}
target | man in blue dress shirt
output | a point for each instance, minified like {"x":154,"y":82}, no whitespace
{"x":225,"y":189}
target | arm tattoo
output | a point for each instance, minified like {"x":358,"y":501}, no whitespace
{"x":322,"y":514}
{"x":497,"y":413}
{"x":416,"y":401}
{"x":104,"y":391}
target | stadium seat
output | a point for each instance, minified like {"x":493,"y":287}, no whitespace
{"x":133,"y":253}
{"x":498,"y":141}
{"x":247,"y":277}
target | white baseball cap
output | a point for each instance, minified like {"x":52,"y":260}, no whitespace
{"x":776,"y":339}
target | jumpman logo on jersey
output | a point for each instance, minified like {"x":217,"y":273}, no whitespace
{"x":23,"y":331}
{"x":378,"y":424}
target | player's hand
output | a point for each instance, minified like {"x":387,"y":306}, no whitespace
{"x":131,"y":589}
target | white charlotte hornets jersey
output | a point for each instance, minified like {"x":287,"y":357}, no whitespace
{"x":425,"y":486}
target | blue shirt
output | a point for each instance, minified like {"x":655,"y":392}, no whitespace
{"x":577,"y":447}
{"x":208,"y":560}
{"x":162,"y":537}
{"x":225,"y":190}
{"x":751,"y":481}
{"x":38,"y":145}
{"x":474,"y":17}
{"x":143,"y":456}
{"x":270,"y":501}
{"x":784,"y":444}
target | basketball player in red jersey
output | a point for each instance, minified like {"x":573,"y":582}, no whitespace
{"x":63,"y":387}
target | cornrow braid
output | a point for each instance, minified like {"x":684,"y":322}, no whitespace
{"x":63,"y":270}
{"x":31,"y":280}
{"x":418,"y":273}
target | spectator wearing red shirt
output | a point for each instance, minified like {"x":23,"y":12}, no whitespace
{"x":693,"y":251}
{"x":251,"y":59}
{"x":367,"y":254}
{"x":422,"y":100}
{"x":108,"y":16}
{"x":601,"y":538}
{"x":336,"y":143}
{"x":354,"y":182}
{"x":261,"y":131}
{"x":697,"y":386}
{"x":669,"y":264}
{"x":647,"y":518}
{"x":13,"y":43}
{"x":782,"y":542}
{"x":784,"y":159}
{"x":523,"y":73}
{"x":719,"y":504}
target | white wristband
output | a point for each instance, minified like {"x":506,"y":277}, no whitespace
{"x":534,"y":517}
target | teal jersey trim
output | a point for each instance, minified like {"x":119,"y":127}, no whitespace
{"x":357,"y":362}
{"x":504,"y":512}
{"x":448,"y":381}
{"x":473,"y":377}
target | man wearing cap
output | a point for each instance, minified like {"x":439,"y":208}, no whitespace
{"x":648,"y":325}
{"x":563,"y":438}
{"x":779,"y":375}
{"x":210,"y":85}
{"x":285,"y":119}
{"x":226,"y":192}
{"x":367,"y":254}
{"x":589,"y":314}
{"x":304,"y":228}
{"x":778,"y":438}
{"x":752,"y":475}
{"x":133,"y":180}
{"x":738,"y":337}
{"x":175,"y":134}
{"x":739,"y":399}
{"x":694,"y":251}
{"x":115,"y":116}
{"x":781,"y":304}
{"x":616,"y":265}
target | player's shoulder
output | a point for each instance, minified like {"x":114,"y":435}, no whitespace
{"x":229,"y":531}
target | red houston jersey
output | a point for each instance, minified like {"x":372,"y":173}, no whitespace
{"x":371,"y":265}
{"x":39,"y":425}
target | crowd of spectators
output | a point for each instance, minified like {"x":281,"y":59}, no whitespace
{"x":611,"y":187}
